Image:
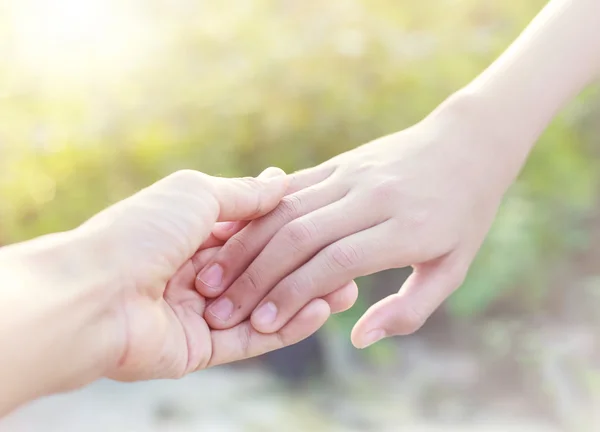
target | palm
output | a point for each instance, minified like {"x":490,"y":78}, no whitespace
{"x":167,"y":336}
{"x":159,"y":313}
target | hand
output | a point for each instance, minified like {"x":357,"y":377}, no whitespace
{"x":424,"y":197}
{"x":116,"y":297}
{"x":159,"y":314}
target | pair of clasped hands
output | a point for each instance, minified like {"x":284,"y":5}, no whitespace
{"x":254,"y":264}
{"x":196,"y":271}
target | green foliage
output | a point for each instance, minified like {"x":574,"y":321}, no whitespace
{"x":234,"y":86}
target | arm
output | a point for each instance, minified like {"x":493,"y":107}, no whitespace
{"x":520,"y":93}
{"x":424,"y":197}
{"x":54,"y":329}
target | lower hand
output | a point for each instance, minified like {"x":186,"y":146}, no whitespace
{"x":160,"y":313}
{"x":116,"y":297}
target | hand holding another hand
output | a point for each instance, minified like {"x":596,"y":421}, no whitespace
{"x":116,"y":297}
{"x":160,"y":313}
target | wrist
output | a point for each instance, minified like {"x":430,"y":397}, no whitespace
{"x":491,"y":152}
{"x":57,"y":323}
{"x":505,"y":109}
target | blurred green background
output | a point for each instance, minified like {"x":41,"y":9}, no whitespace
{"x":101,"y":98}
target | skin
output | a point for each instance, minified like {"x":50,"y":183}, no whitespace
{"x":116,"y":298}
{"x":424,"y":197}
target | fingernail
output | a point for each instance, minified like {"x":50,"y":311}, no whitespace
{"x":265,"y":314}
{"x":222,"y":227}
{"x":221,"y":309}
{"x":227,"y":226}
{"x":271,"y":172}
{"x":372,"y":337}
{"x":212,"y":276}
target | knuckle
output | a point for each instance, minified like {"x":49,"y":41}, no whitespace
{"x":417,"y":219}
{"x":289,"y":207}
{"x":250,"y":281}
{"x":344,"y":256}
{"x":294,"y":287}
{"x":299,"y":234}
{"x":385,"y":190}
{"x":236,"y":246}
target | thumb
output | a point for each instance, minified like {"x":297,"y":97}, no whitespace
{"x":249,"y":198}
{"x":405,"y":312}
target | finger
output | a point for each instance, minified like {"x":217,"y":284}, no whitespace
{"x":405,"y":312}
{"x":187,"y":204}
{"x":203,"y":257}
{"x":308,"y":177}
{"x":211,"y":242}
{"x":242,"y":248}
{"x":242,"y":341}
{"x":289,"y":249}
{"x":249,"y":198}
{"x":343,"y":298}
{"x":360,"y":254}
{"x":223,"y":231}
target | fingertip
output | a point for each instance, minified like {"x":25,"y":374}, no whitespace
{"x":358,"y":331}
{"x":275,"y":180}
{"x":343,"y":298}
{"x":277,"y":184}
{"x":266,"y":191}
{"x":223,"y":231}
{"x":313,"y":315}
{"x":244,"y":341}
{"x":355,"y":338}
{"x":206,"y":290}
{"x":319,"y":311}
{"x":365,"y":330}
{"x":249,"y":198}
{"x":219,"y":314}
{"x":264,"y":318}
{"x":395,"y":315}
{"x":271,"y":172}
{"x":301,"y":179}
{"x":365,"y":340}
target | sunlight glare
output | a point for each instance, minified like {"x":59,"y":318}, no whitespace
{"x":77,"y":39}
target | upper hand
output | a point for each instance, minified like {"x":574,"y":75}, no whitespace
{"x":424,"y":197}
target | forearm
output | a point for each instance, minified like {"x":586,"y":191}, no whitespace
{"x":53,"y":334}
{"x":515,"y":99}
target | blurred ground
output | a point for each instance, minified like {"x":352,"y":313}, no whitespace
{"x":223,"y":400}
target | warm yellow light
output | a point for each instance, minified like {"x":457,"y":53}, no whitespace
{"x":81,"y":40}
